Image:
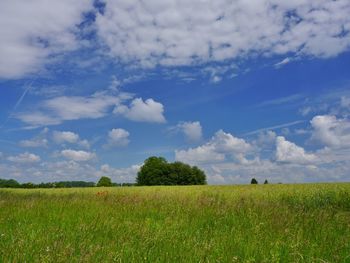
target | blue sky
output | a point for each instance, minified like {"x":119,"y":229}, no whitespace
{"x":241,"y":89}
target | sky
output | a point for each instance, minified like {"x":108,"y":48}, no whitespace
{"x":241,"y":89}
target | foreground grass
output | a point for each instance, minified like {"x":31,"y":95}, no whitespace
{"x":257,"y":223}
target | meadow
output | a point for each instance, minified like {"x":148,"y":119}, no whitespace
{"x":250,"y":223}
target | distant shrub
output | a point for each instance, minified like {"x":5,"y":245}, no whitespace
{"x":254,"y":181}
{"x":266,"y":182}
{"x":157,"y":171}
{"x":104,"y":181}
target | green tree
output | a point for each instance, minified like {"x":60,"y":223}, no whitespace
{"x":9,"y":183}
{"x":153,"y":171}
{"x":157,"y":171}
{"x":266,"y":182}
{"x":104,"y":181}
{"x":199,"y":175}
{"x":254,"y":181}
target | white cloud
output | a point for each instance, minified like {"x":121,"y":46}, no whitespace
{"x":33,"y":32}
{"x":191,"y":130}
{"x":118,"y":137}
{"x":265,"y":140}
{"x":291,"y":153}
{"x":283,"y":62}
{"x":331,"y":131}
{"x":38,"y":141}
{"x":220,"y":146}
{"x":78,"y":156}
{"x":65,"y":136}
{"x":142,"y":111}
{"x":170,"y":33}
{"x":62,"y":137}
{"x":184,"y":33}
{"x":230,"y":160}
{"x":56,"y":110}
{"x":201,"y":154}
{"x":37,"y":118}
{"x":284,"y":125}
{"x":24,"y":158}
{"x":73,"y":108}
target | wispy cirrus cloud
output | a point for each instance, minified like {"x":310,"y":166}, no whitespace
{"x":279,"y":126}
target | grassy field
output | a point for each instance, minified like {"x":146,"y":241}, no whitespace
{"x":253,"y":223}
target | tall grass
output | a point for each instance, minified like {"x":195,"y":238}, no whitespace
{"x":255,"y":223}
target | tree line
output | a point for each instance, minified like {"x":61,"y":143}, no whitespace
{"x":11,"y":183}
{"x":155,"y":171}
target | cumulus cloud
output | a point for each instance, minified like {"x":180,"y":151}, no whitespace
{"x":65,"y":136}
{"x":34,"y":32}
{"x":62,"y":137}
{"x":142,"y":111}
{"x":191,"y":130}
{"x":24,"y":158}
{"x":118,"y":137}
{"x":201,"y":154}
{"x":331,"y":131}
{"x":266,"y":138}
{"x":174,"y":33}
{"x":78,"y":156}
{"x":291,"y":153}
{"x":227,"y":159}
{"x":217,"y":149}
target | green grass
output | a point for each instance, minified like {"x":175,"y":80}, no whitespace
{"x":253,"y":223}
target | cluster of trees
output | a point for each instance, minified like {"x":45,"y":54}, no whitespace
{"x":9,"y":183}
{"x":254,"y":181}
{"x":157,"y":171}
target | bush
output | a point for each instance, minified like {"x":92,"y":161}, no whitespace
{"x":254,"y":181}
{"x":157,"y":171}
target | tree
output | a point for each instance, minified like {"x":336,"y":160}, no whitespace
{"x":9,"y":183}
{"x":266,"y":182}
{"x":254,"y":181}
{"x":104,"y":181}
{"x":153,"y":171}
{"x":157,"y":171}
